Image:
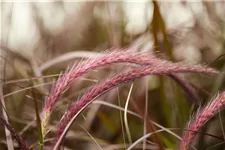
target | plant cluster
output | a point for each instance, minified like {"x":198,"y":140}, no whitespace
{"x":140,"y":64}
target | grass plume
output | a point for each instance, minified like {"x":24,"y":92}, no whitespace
{"x":162,"y":68}
{"x":83,"y":67}
{"x":210,"y":110}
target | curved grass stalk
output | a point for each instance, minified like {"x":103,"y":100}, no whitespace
{"x":125,"y":115}
{"x":143,"y":138}
{"x":162,"y":68}
{"x":66,"y":57}
{"x":108,"y":58}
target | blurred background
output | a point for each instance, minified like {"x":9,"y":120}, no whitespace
{"x":40,"y":39}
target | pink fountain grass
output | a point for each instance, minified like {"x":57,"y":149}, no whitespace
{"x":161,"y":68}
{"x":210,"y":110}
{"x":67,"y":79}
{"x":83,"y":67}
